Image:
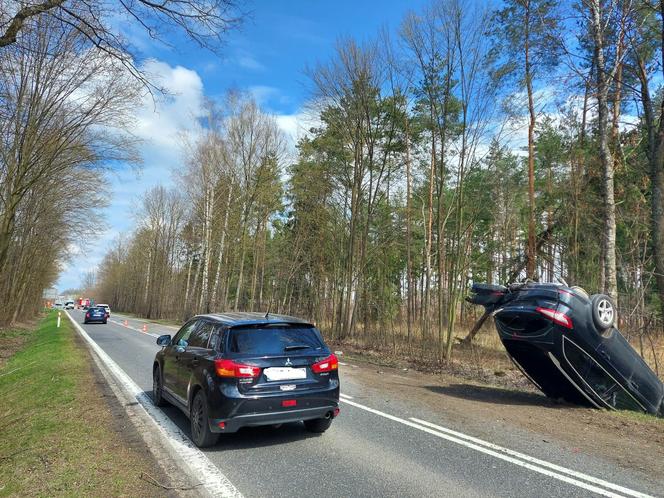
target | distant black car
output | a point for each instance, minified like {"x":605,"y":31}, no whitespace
{"x":95,"y":314}
{"x":227,"y":371}
{"x":566,"y":343}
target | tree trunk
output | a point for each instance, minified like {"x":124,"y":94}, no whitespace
{"x":531,"y":252}
{"x":655,"y":153}
{"x":222,"y":242}
{"x":409,"y":257}
{"x":609,"y":235}
{"x":204,"y":303}
{"x":427,"y":288}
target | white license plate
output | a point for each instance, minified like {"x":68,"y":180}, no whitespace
{"x":285,"y":373}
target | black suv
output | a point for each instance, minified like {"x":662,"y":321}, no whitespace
{"x":227,"y":371}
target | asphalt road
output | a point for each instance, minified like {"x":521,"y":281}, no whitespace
{"x":380,"y":445}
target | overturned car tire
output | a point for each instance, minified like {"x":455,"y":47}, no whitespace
{"x":604,"y":312}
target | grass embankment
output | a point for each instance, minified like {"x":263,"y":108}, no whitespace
{"x":59,"y":435}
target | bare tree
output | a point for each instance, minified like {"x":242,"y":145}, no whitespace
{"x":64,"y":110}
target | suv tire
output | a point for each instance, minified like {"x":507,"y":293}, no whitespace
{"x":200,"y":426}
{"x":158,"y":388}
{"x":318,"y":425}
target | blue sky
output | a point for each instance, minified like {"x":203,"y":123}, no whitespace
{"x":267,"y":56}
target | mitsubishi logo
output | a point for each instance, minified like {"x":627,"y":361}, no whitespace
{"x":288,"y":362}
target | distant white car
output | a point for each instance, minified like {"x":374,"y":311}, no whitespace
{"x":107,"y":308}
{"x":58,"y":305}
{"x":69,"y":305}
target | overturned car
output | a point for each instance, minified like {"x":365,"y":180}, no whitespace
{"x":567,"y":344}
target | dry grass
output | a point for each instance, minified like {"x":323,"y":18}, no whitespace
{"x":485,"y":360}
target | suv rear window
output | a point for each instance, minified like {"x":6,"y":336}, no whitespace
{"x":274,"y":340}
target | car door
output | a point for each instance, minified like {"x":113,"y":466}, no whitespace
{"x":601,"y":383}
{"x":196,"y":352}
{"x":628,"y":367}
{"x":171,"y":367}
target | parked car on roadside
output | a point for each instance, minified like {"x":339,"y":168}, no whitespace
{"x":566,"y":343}
{"x":95,"y":314}
{"x":69,"y":305}
{"x":227,"y":371}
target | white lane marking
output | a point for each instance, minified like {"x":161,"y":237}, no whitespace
{"x":134,"y":328}
{"x":345,"y":396}
{"x":511,"y":459}
{"x":342,"y":363}
{"x":534,"y":460}
{"x":216,"y":483}
{"x":172,"y":327}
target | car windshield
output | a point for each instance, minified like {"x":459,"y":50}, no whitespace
{"x":274,"y":340}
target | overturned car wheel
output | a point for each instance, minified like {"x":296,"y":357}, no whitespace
{"x":604,"y":312}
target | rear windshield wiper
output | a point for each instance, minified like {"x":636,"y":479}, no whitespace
{"x":295,"y":347}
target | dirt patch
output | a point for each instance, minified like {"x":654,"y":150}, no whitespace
{"x":11,"y":341}
{"x":471,"y":362}
{"x":631,"y":440}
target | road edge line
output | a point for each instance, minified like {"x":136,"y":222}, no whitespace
{"x":501,"y":456}
{"x":178,"y":445}
{"x":534,"y":460}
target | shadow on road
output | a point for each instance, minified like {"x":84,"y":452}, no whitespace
{"x":245,"y":438}
{"x":261,"y":437}
{"x":487,"y":394}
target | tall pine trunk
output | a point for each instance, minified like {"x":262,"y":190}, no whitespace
{"x":609,"y":232}
{"x":531,"y":250}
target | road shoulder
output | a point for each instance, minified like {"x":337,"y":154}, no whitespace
{"x":195,"y":474}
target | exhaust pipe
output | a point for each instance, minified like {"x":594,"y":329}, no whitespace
{"x":332,"y":414}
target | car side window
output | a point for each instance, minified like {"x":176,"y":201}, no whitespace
{"x":182,"y":337}
{"x":199,"y":338}
{"x":216,"y":341}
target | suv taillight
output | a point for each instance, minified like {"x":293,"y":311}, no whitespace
{"x":327,"y":365}
{"x":229,"y":368}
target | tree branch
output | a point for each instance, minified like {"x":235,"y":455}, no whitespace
{"x":21,"y":16}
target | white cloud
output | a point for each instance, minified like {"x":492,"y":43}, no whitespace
{"x":297,"y":125}
{"x":159,"y":124}
{"x":248,"y":62}
{"x":263,"y":93}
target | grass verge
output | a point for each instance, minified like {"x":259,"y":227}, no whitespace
{"x":60,"y":437}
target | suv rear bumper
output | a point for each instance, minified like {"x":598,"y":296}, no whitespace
{"x":280,"y":417}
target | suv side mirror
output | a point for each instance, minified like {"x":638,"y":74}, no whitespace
{"x":164,"y":340}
